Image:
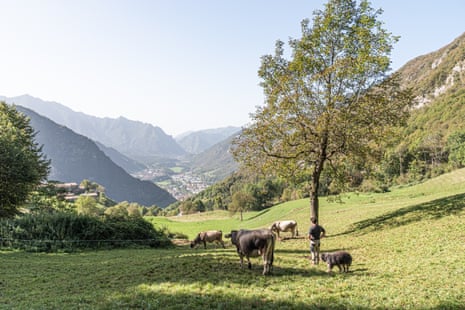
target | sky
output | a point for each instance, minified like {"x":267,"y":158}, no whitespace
{"x":181,"y":65}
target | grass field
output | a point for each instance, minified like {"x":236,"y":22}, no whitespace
{"x":408,"y":248}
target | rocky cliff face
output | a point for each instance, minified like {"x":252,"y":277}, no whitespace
{"x":436,"y":73}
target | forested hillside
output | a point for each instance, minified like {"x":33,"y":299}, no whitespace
{"x":432,"y":141}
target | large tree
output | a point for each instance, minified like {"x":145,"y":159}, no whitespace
{"x":22,"y":164}
{"x":332,"y":104}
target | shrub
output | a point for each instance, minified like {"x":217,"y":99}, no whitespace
{"x":45,"y":232}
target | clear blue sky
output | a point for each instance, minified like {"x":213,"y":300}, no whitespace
{"x":178,"y":64}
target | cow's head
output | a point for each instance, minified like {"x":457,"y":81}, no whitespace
{"x":232,"y":235}
{"x":196,"y":241}
{"x":324,"y":257}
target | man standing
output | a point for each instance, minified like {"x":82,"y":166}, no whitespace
{"x":315,"y":233}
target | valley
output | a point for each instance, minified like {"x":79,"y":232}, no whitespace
{"x":180,"y":182}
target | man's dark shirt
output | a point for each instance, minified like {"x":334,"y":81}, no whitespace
{"x":315,"y":232}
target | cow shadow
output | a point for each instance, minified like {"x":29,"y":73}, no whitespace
{"x":435,"y":209}
{"x":223,"y":265}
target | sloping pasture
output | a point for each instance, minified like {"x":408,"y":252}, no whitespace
{"x":407,"y":246}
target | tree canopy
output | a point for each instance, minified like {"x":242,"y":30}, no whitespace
{"x":332,"y":104}
{"x":22,"y":164}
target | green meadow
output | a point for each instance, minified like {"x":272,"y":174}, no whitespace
{"x":407,"y":245}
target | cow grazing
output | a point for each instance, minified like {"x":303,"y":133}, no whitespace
{"x":341,"y":259}
{"x":208,"y":236}
{"x":285,"y":226}
{"x":254,"y":243}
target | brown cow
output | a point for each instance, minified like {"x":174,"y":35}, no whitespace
{"x":208,"y":236}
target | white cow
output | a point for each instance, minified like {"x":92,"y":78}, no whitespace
{"x":284,"y":226}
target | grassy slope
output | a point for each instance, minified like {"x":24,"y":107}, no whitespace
{"x":407,"y":246}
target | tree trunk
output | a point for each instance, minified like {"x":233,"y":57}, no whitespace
{"x":314,"y":202}
{"x":318,"y":168}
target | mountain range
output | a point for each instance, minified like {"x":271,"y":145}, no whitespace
{"x":75,"y":157}
{"x":137,"y":146}
{"x":139,"y":141}
{"x":143,"y":147}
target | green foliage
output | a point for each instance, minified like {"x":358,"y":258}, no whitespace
{"x":118,"y":211}
{"x":241,"y":202}
{"x":456,"y":148}
{"x":87,"y":205}
{"x":22,"y":164}
{"x":47,"y":197}
{"x":330,"y":104}
{"x":52,"y":231}
{"x":431,"y":142}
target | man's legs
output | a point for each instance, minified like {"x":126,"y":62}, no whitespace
{"x":315,"y":250}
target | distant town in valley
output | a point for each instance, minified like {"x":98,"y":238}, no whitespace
{"x":181,"y":185}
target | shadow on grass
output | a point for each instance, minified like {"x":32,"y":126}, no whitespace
{"x":292,"y":251}
{"x":257,"y":215}
{"x":435,"y":209}
{"x":288,"y":238}
{"x":150,"y":297}
{"x":218,"y":282}
{"x":218,"y":267}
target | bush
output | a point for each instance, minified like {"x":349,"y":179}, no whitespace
{"x":371,"y":186}
{"x":45,"y":232}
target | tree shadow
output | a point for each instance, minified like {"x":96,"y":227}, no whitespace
{"x":292,"y":251}
{"x":221,"y":266}
{"x":257,"y":215}
{"x":435,"y":209}
{"x":290,"y":238}
{"x":152,"y":297}
{"x":223,"y":270}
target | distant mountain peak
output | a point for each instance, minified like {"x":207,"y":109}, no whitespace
{"x":196,"y":142}
{"x":121,"y":133}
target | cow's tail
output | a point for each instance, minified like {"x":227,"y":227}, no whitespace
{"x":268,"y":255}
{"x":296,"y":230}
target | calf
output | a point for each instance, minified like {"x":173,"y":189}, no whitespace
{"x":341,"y":259}
{"x":283,"y":226}
{"x":208,"y":236}
{"x":254,"y":243}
